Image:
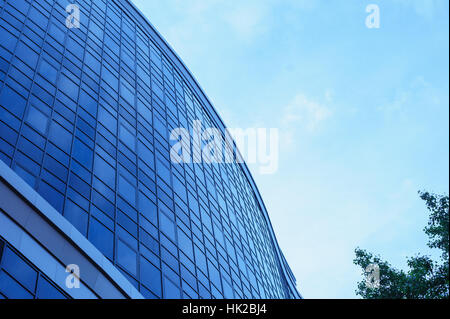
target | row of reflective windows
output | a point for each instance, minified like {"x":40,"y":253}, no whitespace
{"x":127,"y":163}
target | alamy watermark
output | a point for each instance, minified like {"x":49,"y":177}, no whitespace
{"x":258,"y":146}
{"x":73,"y":279}
{"x":372,"y":273}
{"x":73,"y":19}
{"x":373,"y":19}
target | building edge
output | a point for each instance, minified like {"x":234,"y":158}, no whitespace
{"x":31,"y":225}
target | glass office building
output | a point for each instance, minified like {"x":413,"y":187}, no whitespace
{"x":85,"y":170}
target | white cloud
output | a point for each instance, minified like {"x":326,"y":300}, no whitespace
{"x":306,"y":113}
{"x":419,"y":93}
{"x":423,"y":8}
{"x":247,"y":19}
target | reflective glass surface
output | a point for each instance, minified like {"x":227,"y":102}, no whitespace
{"x":19,"y":279}
{"x":85,"y":116}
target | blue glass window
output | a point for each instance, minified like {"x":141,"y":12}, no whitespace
{"x":110,"y":78}
{"x":185,"y":243}
{"x":19,"y":269}
{"x":26,"y":54}
{"x":11,"y":288}
{"x":163,"y":171}
{"x":107,"y":120}
{"x":18,"y":277}
{"x":46,"y":290}
{"x":102,"y":238}
{"x":127,"y":190}
{"x":60,"y":137}
{"x":167,"y":226}
{"x":200,"y":259}
{"x":48,"y":71}
{"x":55,"y":198}
{"x":144,"y":111}
{"x":146,"y":155}
{"x":105,"y":172}
{"x":126,"y":257}
{"x":171,"y":291}
{"x":12,"y":101}
{"x":77,"y":216}
{"x":126,"y":137}
{"x":68,"y":87}
{"x":28,"y":177}
{"x":126,"y":92}
{"x":214,"y":275}
{"x":8,"y":40}
{"x":82,"y":153}
{"x":56,"y":33}
{"x":147,"y":208}
{"x":88,"y":103}
{"x":150,"y":276}
{"x":37,"y":119}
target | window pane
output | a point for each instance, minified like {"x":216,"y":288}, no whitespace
{"x":127,"y":190}
{"x":151,"y":276}
{"x":170,"y":290}
{"x":48,"y":71}
{"x":37,"y":119}
{"x":11,"y":289}
{"x":61,"y":137}
{"x":82,"y":153}
{"x":105,"y":172}
{"x":46,"y":290}
{"x":167,"y":226}
{"x":77,"y":216}
{"x":102,"y":238}
{"x":147,"y":208}
{"x":126,"y":257}
{"x":127,"y":138}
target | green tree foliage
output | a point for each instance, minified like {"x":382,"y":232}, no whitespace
{"x":425,"y":278}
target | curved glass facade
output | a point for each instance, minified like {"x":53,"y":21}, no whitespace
{"x":85,"y":116}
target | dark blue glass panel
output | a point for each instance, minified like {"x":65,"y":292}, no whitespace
{"x":12,"y":101}
{"x":37,"y":119}
{"x":11,"y":288}
{"x":77,"y":216}
{"x":88,"y":103}
{"x":29,"y":178}
{"x":60,"y":137}
{"x":45,"y":290}
{"x":9,"y":41}
{"x":127,"y":137}
{"x":127,"y":190}
{"x":167,"y":226}
{"x":126,"y":257}
{"x":82,"y":153}
{"x":49,"y":72}
{"x":102,"y":238}
{"x":26,"y":54}
{"x":150,"y":276}
{"x":185,"y":243}
{"x":171,"y":291}
{"x":66,"y":85}
{"x":105,"y":172}
{"x":55,"y":198}
{"x":148,"y":208}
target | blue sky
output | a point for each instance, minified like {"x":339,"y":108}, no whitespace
{"x":363,"y":117}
